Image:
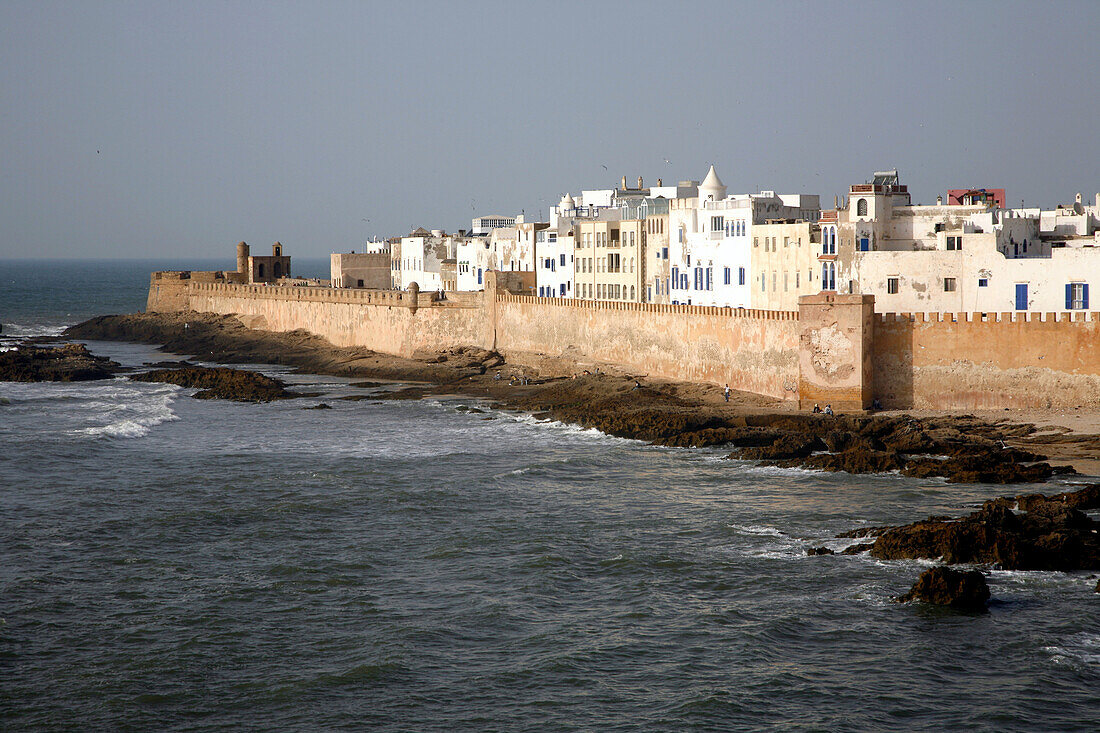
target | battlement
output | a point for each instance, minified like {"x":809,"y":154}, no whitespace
{"x":698,"y":310}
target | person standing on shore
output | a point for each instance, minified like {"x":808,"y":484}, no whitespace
{"x":727,"y":393}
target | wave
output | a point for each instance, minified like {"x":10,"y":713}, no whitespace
{"x":131,"y":412}
{"x":23,"y":330}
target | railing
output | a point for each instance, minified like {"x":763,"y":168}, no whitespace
{"x":698,"y":310}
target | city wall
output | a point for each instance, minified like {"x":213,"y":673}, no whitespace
{"x":987,"y":360}
{"x":750,"y":350}
{"x":834,"y":349}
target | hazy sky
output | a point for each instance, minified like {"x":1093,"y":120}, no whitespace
{"x":178,"y":129}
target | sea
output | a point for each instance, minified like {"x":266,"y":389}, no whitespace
{"x":170,"y":564}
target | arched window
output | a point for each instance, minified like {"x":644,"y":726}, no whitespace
{"x":861,"y":207}
{"x":278,"y":267}
{"x":260,"y":271}
{"x":632,"y":264}
{"x":632,"y":292}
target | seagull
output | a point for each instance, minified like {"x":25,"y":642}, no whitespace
{"x":667,"y":161}
{"x":605,"y":167}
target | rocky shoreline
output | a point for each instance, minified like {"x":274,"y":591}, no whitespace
{"x":956,"y":448}
{"x":1016,"y":532}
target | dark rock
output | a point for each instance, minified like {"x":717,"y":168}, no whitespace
{"x":853,"y":461}
{"x":68,"y":363}
{"x":367,"y":385}
{"x":168,"y":364}
{"x":223,"y":383}
{"x":787,"y":446}
{"x":857,"y":548}
{"x":319,"y":406}
{"x":944,"y":586}
{"x":819,"y":551}
{"x":1050,"y":535}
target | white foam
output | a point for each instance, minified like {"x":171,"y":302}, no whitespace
{"x":756,"y":529}
{"x":1083,"y":648}
{"x":21,"y":330}
{"x":131,"y":411}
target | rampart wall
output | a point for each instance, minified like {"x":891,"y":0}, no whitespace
{"x":751,"y":350}
{"x":987,"y":360}
{"x":832,"y":349}
{"x":381,"y":320}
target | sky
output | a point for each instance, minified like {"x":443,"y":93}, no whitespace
{"x":157,"y":129}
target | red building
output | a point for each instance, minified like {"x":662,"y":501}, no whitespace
{"x":970,"y":196}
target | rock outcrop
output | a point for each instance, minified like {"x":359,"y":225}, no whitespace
{"x":944,"y":586}
{"x":1052,"y":533}
{"x":68,"y":363}
{"x":221,"y":383}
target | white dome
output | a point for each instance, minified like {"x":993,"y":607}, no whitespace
{"x":567,"y":202}
{"x":712,"y":186}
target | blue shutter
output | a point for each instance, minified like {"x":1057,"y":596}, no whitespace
{"x":1069,"y":295}
{"x":1085,"y":296}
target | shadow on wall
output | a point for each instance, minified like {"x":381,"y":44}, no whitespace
{"x":892,"y":361}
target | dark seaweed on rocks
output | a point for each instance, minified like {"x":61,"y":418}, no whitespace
{"x":68,"y":363}
{"x":1051,"y":533}
{"x":222,"y":383}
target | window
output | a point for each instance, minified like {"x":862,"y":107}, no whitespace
{"x":675,"y":278}
{"x":716,"y":224}
{"x":949,"y":285}
{"x":784,"y":282}
{"x":954,"y":243}
{"x":563,"y":259}
{"x":684,"y":281}
{"x":740,"y":275}
{"x":763,"y":282}
{"x":725,"y":276}
{"x":892,"y":285}
{"x":828,"y":276}
{"x":698,"y":278}
{"x":664,"y":252}
{"x":861,"y":207}
{"x":360,"y":283}
{"x":864,"y":244}
{"x":983,"y":282}
{"x":1077,"y":296}
{"x":680,"y":235}
{"x":786,"y":242}
{"x":710,"y":278}
{"x":756,"y":241}
{"x":797,"y":277}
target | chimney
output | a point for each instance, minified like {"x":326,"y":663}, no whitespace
{"x":623,"y":187}
{"x":639,"y":181}
{"x":939,"y":201}
{"x":659,"y":184}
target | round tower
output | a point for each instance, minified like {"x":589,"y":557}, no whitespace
{"x":242,"y":258}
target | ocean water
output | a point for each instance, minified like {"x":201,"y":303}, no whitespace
{"x":177,"y":564}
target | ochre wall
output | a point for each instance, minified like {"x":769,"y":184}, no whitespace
{"x":168,"y":292}
{"x":750,"y":350}
{"x":379,"y":320}
{"x":936,"y":361}
{"x":960,"y":361}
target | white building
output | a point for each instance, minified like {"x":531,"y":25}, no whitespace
{"x":711,"y":239}
{"x":482,"y":225}
{"x":956,"y":258}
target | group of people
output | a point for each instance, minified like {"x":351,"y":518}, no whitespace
{"x":828,"y":409}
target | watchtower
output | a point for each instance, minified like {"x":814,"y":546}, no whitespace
{"x":242,"y":259}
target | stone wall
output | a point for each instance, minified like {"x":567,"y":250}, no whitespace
{"x":750,"y":350}
{"x":833,"y":350}
{"x":987,"y":361}
{"x":381,"y":320}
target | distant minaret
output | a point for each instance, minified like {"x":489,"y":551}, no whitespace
{"x":242,"y":258}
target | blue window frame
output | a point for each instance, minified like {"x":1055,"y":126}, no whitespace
{"x":562,"y":287}
{"x":563,"y":259}
{"x":726,"y":276}
{"x":479,"y":276}
{"x":1077,"y":296}
{"x":740,"y":275}
{"x":675,"y":278}
{"x":664,"y":252}
{"x":864,"y":244}
{"x":983,"y":282}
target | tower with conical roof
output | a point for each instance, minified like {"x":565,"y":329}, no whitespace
{"x":712,"y":187}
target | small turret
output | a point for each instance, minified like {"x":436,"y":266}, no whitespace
{"x":242,"y":258}
{"x":277,"y":250}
